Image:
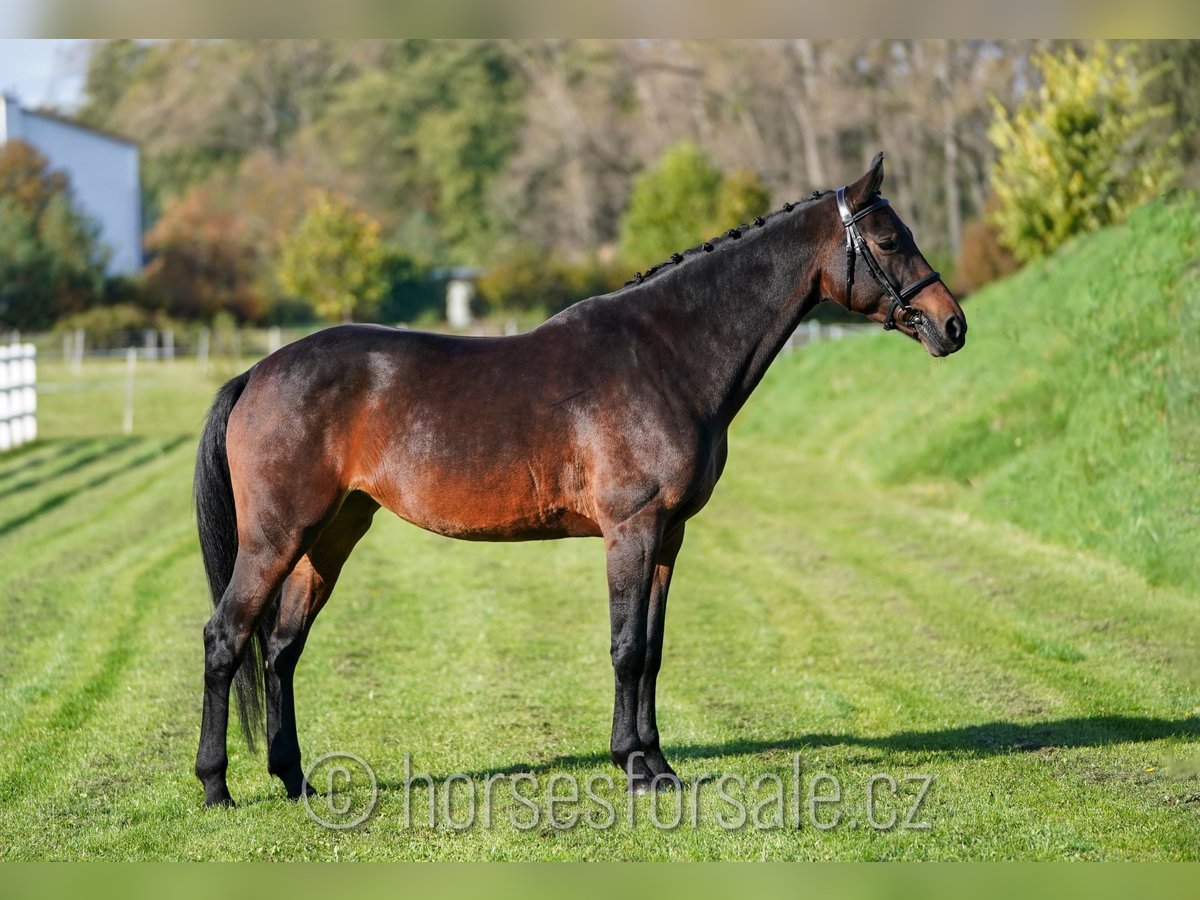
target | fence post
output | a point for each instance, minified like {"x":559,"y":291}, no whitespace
{"x":168,"y":345}
{"x":130,"y":373}
{"x":18,"y":395}
{"x":29,"y":364}
{"x":274,"y":339}
{"x":77,"y":362}
{"x":202,"y":351}
{"x":6,"y":436}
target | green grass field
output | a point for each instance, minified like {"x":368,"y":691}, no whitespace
{"x":979,"y":569}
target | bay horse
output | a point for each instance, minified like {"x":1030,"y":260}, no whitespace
{"x":608,"y":420}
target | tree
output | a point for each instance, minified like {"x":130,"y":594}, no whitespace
{"x":335,"y":260}
{"x":200,"y":107}
{"x":411,"y":292}
{"x":740,"y":198}
{"x":112,"y":70}
{"x":682,"y":200}
{"x":1081,"y":154}
{"x":427,"y":132}
{"x":1180,"y":61}
{"x":201,"y":262}
{"x":51,"y":259}
{"x":669,"y":205}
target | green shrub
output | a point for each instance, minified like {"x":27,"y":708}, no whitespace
{"x":1083,"y":153}
{"x":529,"y":280}
{"x":117,"y":326}
{"x":681,"y":201}
{"x":412,"y":292}
{"x":335,"y":260}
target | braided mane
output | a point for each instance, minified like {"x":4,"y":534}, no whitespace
{"x":710,"y":246}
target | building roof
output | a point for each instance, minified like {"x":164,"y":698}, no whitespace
{"x":69,"y":122}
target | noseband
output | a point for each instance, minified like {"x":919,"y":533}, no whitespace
{"x":856,"y":244}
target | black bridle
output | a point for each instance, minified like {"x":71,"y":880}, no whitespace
{"x":856,"y":244}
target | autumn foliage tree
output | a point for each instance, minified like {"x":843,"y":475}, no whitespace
{"x":982,"y":258}
{"x":51,"y":259}
{"x":201,"y":262}
{"x":335,"y":260}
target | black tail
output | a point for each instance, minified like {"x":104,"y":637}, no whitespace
{"x":217,"y":521}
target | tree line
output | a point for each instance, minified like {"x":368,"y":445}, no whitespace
{"x":564,"y":166}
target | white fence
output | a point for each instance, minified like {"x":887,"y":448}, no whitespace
{"x":18,"y":395}
{"x":813,"y":332}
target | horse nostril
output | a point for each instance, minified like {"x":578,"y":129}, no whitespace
{"x":955,"y":329}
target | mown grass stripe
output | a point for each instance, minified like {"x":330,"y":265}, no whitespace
{"x":73,"y":712}
{"x":54,"y":501}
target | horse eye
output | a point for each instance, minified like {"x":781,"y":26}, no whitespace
{"x":887,"y":243}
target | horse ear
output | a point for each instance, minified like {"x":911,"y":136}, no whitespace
{"x":866,"y":187}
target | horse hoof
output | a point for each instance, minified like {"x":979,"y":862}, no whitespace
{"x":306,"y":790}
{"x":638,"y":786}
{"x":225,"y":802}
{"x":667,"y":782}
{"x":644,"y":784}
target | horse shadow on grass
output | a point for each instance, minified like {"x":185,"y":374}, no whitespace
{"x":987,"y":739}
{"x":979,"y":741}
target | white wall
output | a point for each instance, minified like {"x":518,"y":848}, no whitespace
{"x":103,"y":172}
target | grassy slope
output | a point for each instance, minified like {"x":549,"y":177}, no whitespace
{"x":846,"y":596}
{"x":1068,"y":413}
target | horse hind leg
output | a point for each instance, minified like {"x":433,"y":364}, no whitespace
{"x":258,"y":574}
{"x":305,"y":593}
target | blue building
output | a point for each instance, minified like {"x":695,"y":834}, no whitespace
{"x":103,"y":170}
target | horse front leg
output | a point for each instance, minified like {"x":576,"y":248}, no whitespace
{"x":647,"y":721}
{"x":632,"y":551}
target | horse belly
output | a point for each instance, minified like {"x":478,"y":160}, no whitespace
{"x":485,"y":502}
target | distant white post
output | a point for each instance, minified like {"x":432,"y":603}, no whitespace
{"x":274,"y":339}
{"x":202,"y":351}
{"x":168,"y":344}
{"x":150,"y":338}
{"x":130,"y":374}
{"x":459,"y":294}
{"x":77,"y":363}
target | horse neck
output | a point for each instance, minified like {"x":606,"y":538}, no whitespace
{"x":734,"y":309}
